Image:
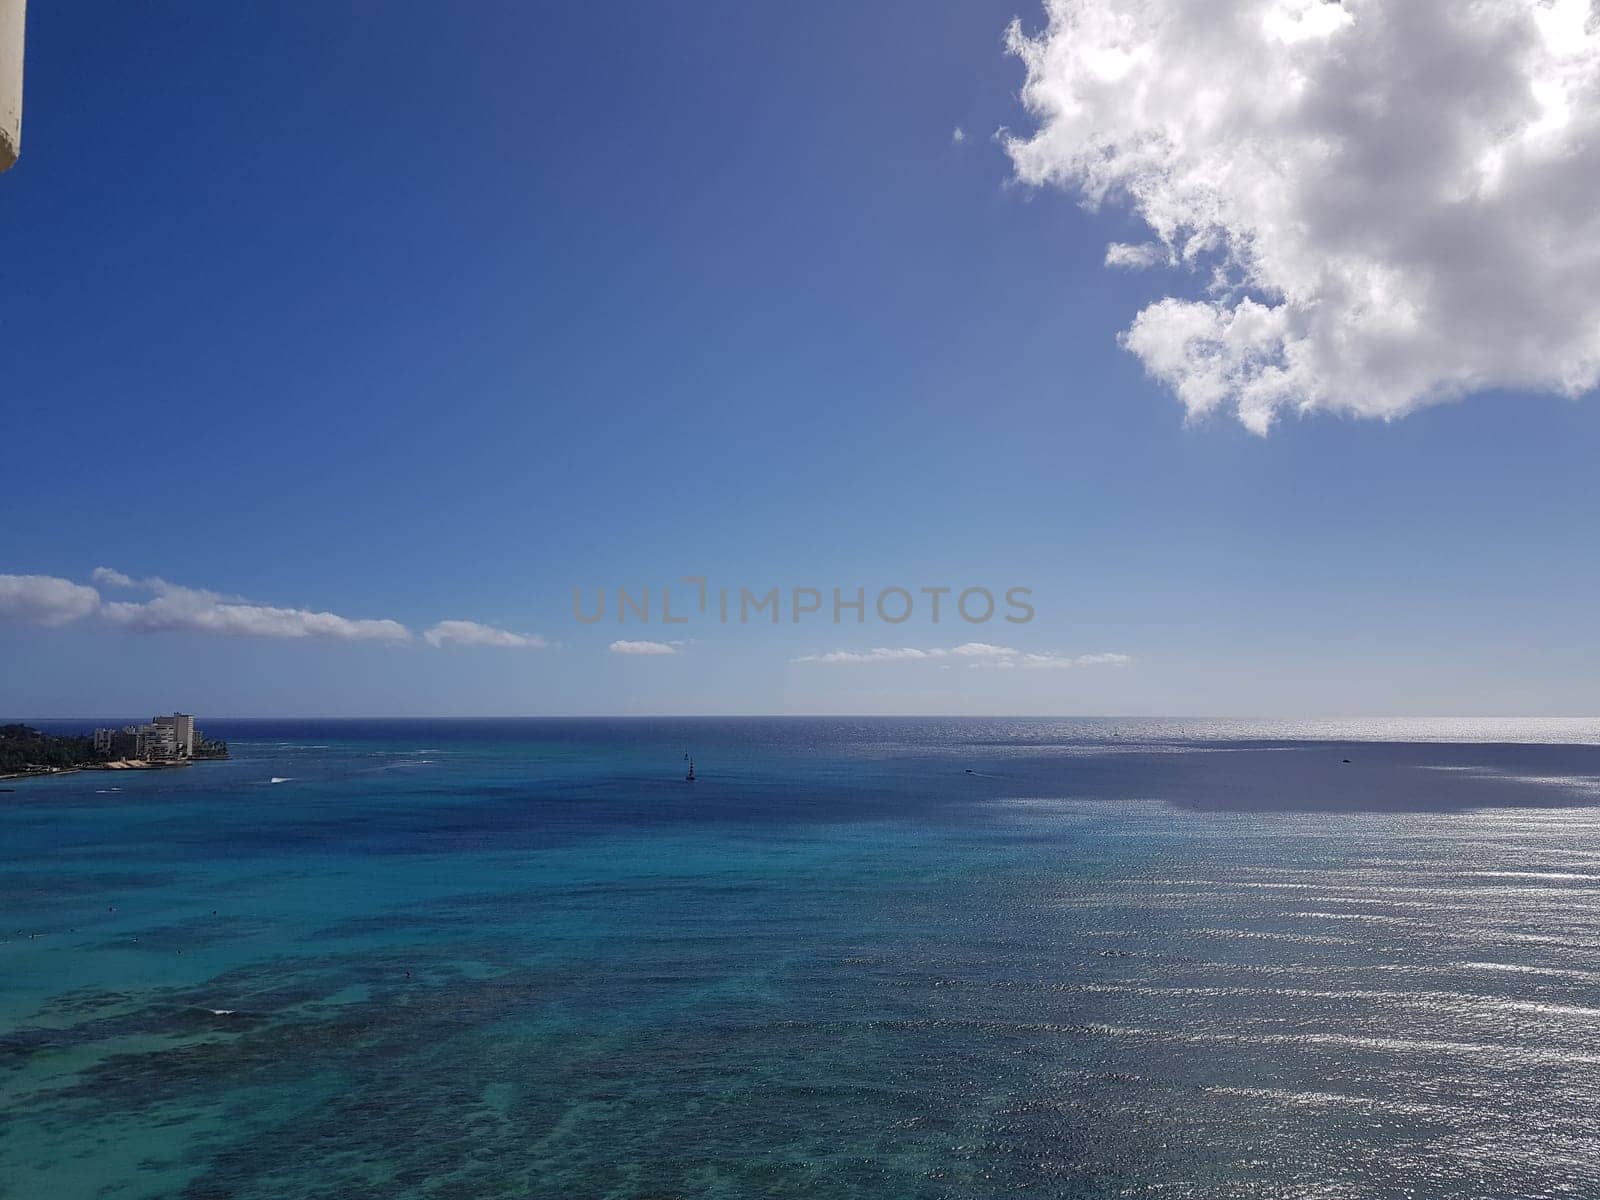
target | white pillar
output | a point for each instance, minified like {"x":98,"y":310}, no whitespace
{"x":11,"y":26}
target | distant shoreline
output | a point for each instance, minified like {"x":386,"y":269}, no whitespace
{"x":28,"y":753}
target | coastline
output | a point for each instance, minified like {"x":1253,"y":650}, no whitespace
{"x":35,"y":772}
{"x":118,"y":764}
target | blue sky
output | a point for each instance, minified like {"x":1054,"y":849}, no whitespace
{"x":401,"y":314}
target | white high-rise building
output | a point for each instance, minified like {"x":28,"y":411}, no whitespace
{"x":181,"y":726}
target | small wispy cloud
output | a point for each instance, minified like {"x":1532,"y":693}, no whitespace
{"x":645,"y":648}
{"x":1135,"y":257}
{"x":909,"y":653}
{"x":881,"y":654}
{"x":471,"y":633}
{"x":957,"y":136}
{"x":1056,"y":662}
{"x":983,"y":650}
{"x":977,"y":654}
{"x":44,"y":600}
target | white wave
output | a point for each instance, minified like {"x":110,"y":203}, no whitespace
{"x":1372,"y":918}
{"x":1496,"y":1051}
{"x":1304,"y":939}
{"x":1433,"y":1000}
{"x":1522,"y":969}
{"x":1313,"y":1099}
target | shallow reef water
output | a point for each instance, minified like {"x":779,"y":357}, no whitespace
{"x":484,"y":959}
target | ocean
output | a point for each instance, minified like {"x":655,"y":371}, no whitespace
{"x":866,"y":958}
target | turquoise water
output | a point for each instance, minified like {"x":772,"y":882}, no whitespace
{"x":854,"y":959}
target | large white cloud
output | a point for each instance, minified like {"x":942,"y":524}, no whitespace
{"x":1391,"y":202}
{"x":174,"y":608}
{"x":44,"y":600}
{"x":470,"y":633}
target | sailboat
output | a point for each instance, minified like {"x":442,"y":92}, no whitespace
{"x":690,"y":776}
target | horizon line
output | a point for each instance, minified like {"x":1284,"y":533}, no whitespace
{"x":840,"y":716}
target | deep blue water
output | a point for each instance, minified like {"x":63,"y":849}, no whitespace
{"x":873,"y":958}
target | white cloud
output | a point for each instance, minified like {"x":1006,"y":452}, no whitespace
{"x":44,"y":600}
{"x":470,"y":633}
{"x":983,"y":650}
{"x":1392,"y":201}
{"x":623,"y":647}
{"x":113,"y":578}
{"x":881,"y":654}
{"x":1061,"y":662}
{"x":958,"y":135}
{"x":1145,"y":254}
{"x":979,"y":654}
{"x":180,"y":609}
{"x":1102,"y":660}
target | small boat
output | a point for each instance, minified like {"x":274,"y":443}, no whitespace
{"x":690,"y":776}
